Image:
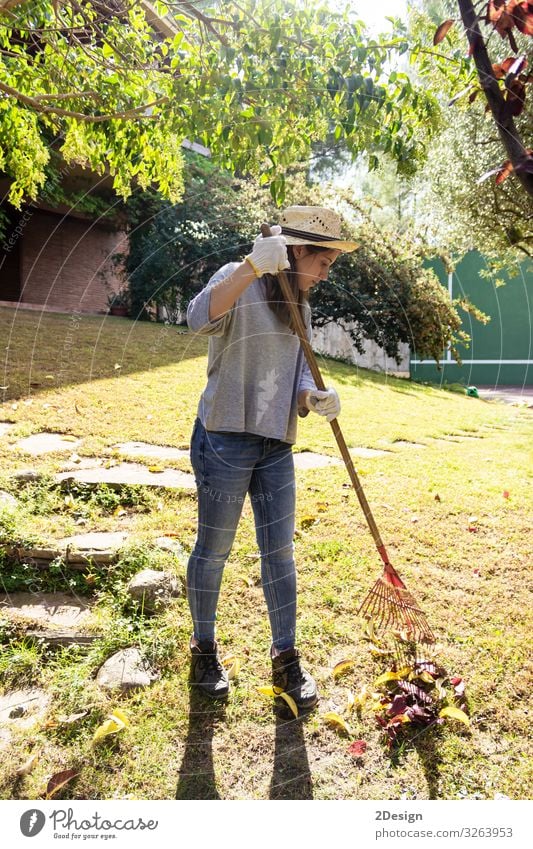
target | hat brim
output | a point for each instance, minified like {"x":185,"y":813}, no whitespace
{"x":336,"y":245}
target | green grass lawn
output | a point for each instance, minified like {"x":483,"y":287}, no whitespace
{"x":108,"y":380}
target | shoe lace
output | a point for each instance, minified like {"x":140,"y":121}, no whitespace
{"x":293,"y":672}
{"x":210,"y":663}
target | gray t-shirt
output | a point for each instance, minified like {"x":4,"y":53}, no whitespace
{"x":255,"y":365}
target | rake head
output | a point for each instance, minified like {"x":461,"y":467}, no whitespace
{"x":392,"y":608}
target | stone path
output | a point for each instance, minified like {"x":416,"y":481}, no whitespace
{"x":49,"y":608}
{"x":131,"y":473}
{"x":43,"y":443}
{"x":21,"y":708}
{"x":145,"y":449}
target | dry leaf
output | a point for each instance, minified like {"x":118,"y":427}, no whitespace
{"x":73,"y":717}
{"x":276,"y":692}
{"x":455,"y":713}
{"x":59,"y":780}
{"x":233,"y":665}
{"x":27,"y":767}
{"x":116,"y":721}
{"x":342,"y":666}
{"x":335,"y":720}
{"x":357,"y":748}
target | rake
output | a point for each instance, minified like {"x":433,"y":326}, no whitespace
{"x":389,"y":604}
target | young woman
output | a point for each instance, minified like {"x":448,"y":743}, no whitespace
{"x":257,"y":384}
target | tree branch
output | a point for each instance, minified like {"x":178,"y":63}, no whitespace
{"x":507,"y":130}
{"x":80,"y":116}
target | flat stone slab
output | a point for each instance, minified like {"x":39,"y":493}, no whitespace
{"x":5,"y":427}
{"x":44,"y":443}
{"x":367,"y":452}
{"x":131,"y":473}
{"x":96,"y":541}
{"x":26,"y":706}
{"x":310,"y":460}
{"x":58,"y":609}
{"x":404,"y":443}
{"x":146,"y":449}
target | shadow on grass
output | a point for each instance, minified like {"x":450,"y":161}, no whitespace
{"x":197,"y":775}
{"x":426,"y":745}
{"x":291,"y":777}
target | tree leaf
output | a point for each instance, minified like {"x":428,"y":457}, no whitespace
{"x":342,"y":666}
{"x":73,"y":717}
{"x":28,"y":765}
{"x":442,"y":31}
{"x":290,"y":701}
{"x":59,"y":780}
{"x":116,"y":722}
{"x":335,"y":720}
{"x":233,"y":665}
{"x":455,"y":713}
{"x":357,"y":748}
{"x":393,"y":676}
{"x":277,"y":692}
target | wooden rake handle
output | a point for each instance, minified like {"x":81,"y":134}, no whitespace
{"x":317,"y":377}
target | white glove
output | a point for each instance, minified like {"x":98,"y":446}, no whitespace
{"x":269,"y":255}
{"x":324,"y":402}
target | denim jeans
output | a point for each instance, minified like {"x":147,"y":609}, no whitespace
{"x":227,"y":466}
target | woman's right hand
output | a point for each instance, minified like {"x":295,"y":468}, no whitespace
{"x":269,"y":255}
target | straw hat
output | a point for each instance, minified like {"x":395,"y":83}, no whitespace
{"x":314,"y":225}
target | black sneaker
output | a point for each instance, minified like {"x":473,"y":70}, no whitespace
{"x":288,"y":674}
{"x":207,"y":671}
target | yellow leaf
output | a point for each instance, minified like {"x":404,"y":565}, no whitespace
{"x":156,"y":469}
{"x":362,"y":697}
{"x":337,"y":722}
{"x":276,"y":692}
{"x":342,"y":667}
{"x":115,"y":723}
{"x":290,"y":701}
{"x":424,"y":676}
{"x":119,"y":715}
{"x":455,"y":713}
{"x":386,"y":677}
{"x":233,"y":664}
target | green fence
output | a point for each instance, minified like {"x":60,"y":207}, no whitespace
{"x":500,"y":353}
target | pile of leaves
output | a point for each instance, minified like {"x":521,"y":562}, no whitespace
{"x":416,"y":697}
{"x":411,"y":694}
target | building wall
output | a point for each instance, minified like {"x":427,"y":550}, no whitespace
{"x":334,"y":341}
{"x":500,"y":352}
{"x":66,"y":262}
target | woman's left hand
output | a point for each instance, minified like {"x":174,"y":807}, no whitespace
{"x":324,"y":402}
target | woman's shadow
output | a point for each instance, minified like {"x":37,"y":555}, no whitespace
{"x":291,"y":777}
{"x":197,"y":774}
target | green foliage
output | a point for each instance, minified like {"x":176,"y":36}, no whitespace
{"x":258,"y":85}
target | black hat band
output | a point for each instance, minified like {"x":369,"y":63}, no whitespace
{"x":312,"y":237}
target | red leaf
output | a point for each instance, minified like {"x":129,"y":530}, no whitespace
{"x":506,"y":493}
{"x":504,"y":172}
{"x":398,"y":706}
{"x":523,"y":18}
{"x":455,"y":680}
{"x":59,"y":780}
{"x":503,"y":69}
{"x":442,"y":31}
{"x":357,"y":748}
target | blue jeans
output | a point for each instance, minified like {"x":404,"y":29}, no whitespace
{"x":227,"y":466}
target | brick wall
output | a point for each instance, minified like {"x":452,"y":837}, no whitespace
{"x":66,"y":262}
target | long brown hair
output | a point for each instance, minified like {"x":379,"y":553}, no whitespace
{"x":274,"y":294}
